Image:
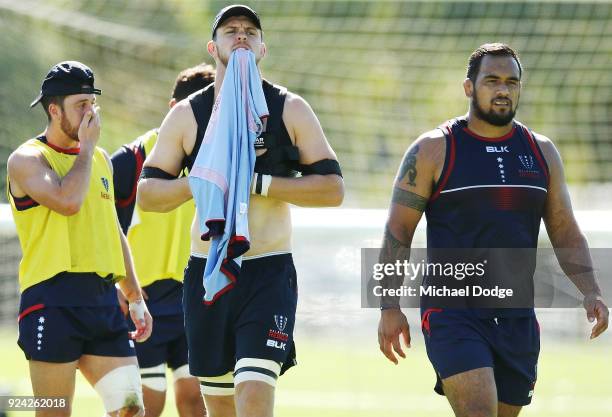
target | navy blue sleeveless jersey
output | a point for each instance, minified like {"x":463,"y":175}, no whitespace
{"x":491,"y":192}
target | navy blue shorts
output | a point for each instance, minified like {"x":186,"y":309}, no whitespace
{"x":64,"y":334}
{"x":255,"y":319}
{"x":167,"y":343}
{"x":459,"y":341}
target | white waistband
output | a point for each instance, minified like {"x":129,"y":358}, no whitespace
{"x":245,"y":258}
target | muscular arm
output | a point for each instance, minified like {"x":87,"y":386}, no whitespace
{"x":162,"y":195}
{"x":31,"y":175}
{"x":571,"y":246}
{"x":130,"y":287}
{"x":412,"y":188}
{"x":309,"y":190}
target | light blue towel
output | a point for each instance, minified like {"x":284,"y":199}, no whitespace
{"x":222,"y":172}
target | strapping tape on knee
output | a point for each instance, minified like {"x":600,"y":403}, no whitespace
{"x":217,"y":385}
{"x":121,"y":389}
{"x":154,"y":377}
{"x":252,"y":369}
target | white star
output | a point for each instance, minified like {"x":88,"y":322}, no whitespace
{"x":38,"y":348}
{"x":499,"y":159}
{"x":41,"y":320}
{"x":500,"y":165}
{"x":501,"y":171}
{"x":39,"y":335}
{"x":40,"y":342}
{"x":40,"y":328}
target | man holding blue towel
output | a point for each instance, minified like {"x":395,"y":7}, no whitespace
{"x":242,"y":341}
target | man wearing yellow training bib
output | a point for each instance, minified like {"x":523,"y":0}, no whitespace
{"x":60,"y":187}
{"x":160,"y":245}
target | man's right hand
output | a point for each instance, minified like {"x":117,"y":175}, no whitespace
{"x":89,"y":130}
{"x":392,"y":324}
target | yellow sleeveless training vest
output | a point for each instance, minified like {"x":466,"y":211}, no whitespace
{"x":160,"y":242}
{"x":85,"y":242}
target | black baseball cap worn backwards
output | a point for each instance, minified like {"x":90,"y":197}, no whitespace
{"x":235,"y":10}
{"x":67,"y":78}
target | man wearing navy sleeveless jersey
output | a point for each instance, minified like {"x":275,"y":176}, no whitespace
{"x":240,"y":344}
{"x":483,"y":181}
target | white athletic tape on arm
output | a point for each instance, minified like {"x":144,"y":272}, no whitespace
{"x":138,"y":307}
{"x":254,"y":183}
{"x":265,"y":184}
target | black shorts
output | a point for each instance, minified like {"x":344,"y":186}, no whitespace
{"x":255,"y":319}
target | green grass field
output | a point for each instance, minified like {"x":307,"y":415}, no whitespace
{"x":340,"y":378}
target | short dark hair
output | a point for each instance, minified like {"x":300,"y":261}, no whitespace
{"x":46,"y":101}
{"x":192,"y":79}
{"x":495,"y":49}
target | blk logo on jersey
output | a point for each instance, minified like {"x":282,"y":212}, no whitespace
{"x":498,"y":149}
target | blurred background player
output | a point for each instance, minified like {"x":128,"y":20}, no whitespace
{"x":160,"y":248}
{"x":485,"y":359}
{"x":61,"y":193}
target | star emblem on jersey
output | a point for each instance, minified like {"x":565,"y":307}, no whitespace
{"x":281,"y":322}
{"x":502,"y":173}
{"x":41,"y":320}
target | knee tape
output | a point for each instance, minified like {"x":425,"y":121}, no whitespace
{"x":154,"y":377}
{"x":120,"y":388}
{"x":252,"y":369}
{"x":217,"y":385}
{"x":181,"y":372}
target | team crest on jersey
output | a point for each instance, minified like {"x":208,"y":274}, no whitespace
{"x":281,"y":322}
{"x":528,"y":164}
{"x":526,"y":161}
{"x":106,"y":185}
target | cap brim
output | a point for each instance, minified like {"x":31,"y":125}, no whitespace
{"x":37,"y":100}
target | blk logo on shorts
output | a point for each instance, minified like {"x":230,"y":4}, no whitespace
{"x":276,"y":344}
{"x":105,"y":183}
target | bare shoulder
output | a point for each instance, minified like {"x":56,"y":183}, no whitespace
{"x":297,"y":112}
{"x":551,"y":154}
{"x":23,"y":159}
{"x":430,"y":146}
{"x":296,"y":103}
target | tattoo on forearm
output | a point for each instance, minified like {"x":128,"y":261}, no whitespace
{"x":408,"y":199}
{"x":391,"y":240}
{"x":392,"y":250}
{"x":408,"y":167}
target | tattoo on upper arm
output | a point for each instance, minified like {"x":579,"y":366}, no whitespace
{"x":409,"y":166}
{"x":408,"y":199}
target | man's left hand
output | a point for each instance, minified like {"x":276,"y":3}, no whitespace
{"x":596,"y":309}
